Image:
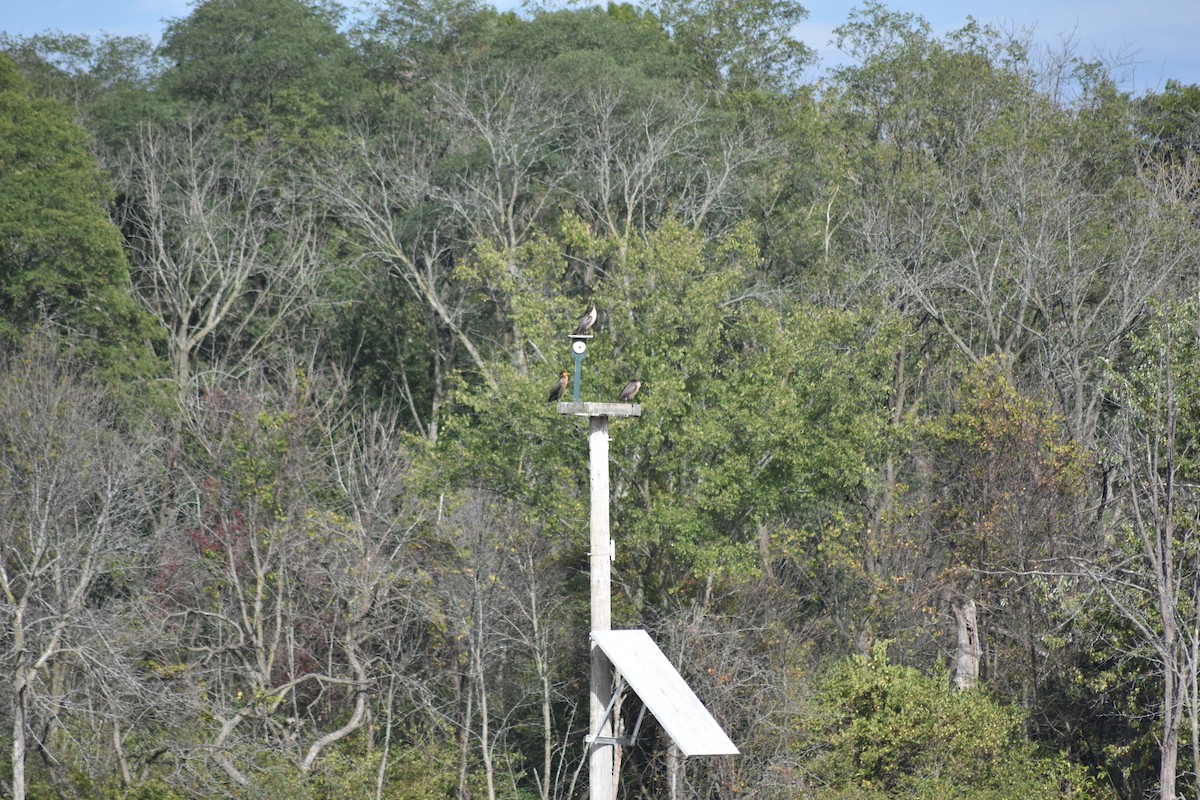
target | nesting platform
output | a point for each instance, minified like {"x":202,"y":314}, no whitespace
{"x":600,"y":409}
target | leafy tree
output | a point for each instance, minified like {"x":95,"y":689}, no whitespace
{"x":593,"y":47}
{"x":109,"y":81}
{"x":1170,"y":119}
{"x":79,"y":70}
{"x":892,"y":731}
{"x":711,"y":474}
{"x":739,"y":44}
{"x":61,"y":257}
{"x":1006,"y":504}
{"x":259,"y":58}
{"x":407,"y":43}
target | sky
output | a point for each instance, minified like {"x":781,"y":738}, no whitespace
{"x":1154,"y":39}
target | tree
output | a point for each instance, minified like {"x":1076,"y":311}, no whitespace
{"x":645,"y":139}
{"x":1151,"y":572}
{"x":969,"y":208}
{"x":390,"y":201}
{"x":109,"y":81}
{"x":258,"y":58}
{"x":476,"y":612}
{"x":892,"y":731}
{"x":79,"y":70}
{"x":1170,"y":120}
{"x":73,"y":504}
{"x":226,"y":251}
{"x":739,"y":44}
{"x":1005,"y":501}
{"x":410,"y":42}
{"x":705,"y":484}
{"x":281,"y":602}
{"x":62,"y":258}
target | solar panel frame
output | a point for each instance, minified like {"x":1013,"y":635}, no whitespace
{"x":653,"y":678}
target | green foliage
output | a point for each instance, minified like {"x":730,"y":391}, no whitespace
{"x":78,"y":70}
{"x":739,"y":43}
{"x":259,"y":58}
{"x":594,"y":47}
{"x":61,"y":259}
{"x":108,"y":80}
{"x":425,"y":772}
{"x":1003,"y":497}
{"x":868,"y":317}
{"x":1170,"y":119}
{"x":408,"y":42}
{"x":1007,"y":473}
{"x":892,"y":731}
{"x":1158,"y":382}
{"x":752,"y":414}
{"x":909,"y":90}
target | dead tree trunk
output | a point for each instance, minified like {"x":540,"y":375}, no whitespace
{"x":969,"y":651}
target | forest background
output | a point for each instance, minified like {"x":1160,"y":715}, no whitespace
{"x":284,"y":512}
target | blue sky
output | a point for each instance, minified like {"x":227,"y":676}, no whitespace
{"x":1157,"y":38}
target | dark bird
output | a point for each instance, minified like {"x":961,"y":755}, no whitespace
{"x":629,"y":391}
{"x":559,"y":387}
{"x":586,"y":321}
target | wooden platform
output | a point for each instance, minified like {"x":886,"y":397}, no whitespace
{"x":600,"y":409}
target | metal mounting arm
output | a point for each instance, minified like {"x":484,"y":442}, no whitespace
{"x":624,"y":741}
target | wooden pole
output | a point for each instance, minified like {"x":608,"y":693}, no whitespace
{"x":602,"y":781}
{"x":602,"y":761}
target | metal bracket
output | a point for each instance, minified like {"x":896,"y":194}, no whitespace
{"x":626,"y":741}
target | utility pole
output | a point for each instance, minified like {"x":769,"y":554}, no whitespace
{"x":602,"y":781}
{"x":641,"y":664}
{"x":601,"y":757}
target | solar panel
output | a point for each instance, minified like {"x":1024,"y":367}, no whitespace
{"x":663,"y":690}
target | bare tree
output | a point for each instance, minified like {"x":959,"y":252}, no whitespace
{"x":1152,"y":574}
{"x":225,"y":247}
{"x":533,"y":623}
{"x":1005,"y":221}
{"x":995,"y":256}
{"x":741,"y":665}
{"x":382,"y":186}
{"x":518,"y":128}
{"x":503,"y":624}
{"x":284,"y":571}
{"x":638,"y":159}
{"x":626,"y":155}
{"x":370,"y":557}
{"x":470,"y":595}
{"x":72,"y":501}
{"x":505,"y":122}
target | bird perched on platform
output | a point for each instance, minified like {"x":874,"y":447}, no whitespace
{"x":586,"y":321}
{"x":559,"y":387}
{"x":629,"y":391}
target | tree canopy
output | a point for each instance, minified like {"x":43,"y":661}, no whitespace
{"x":62,"y":259}
{"x":288,"y":514}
